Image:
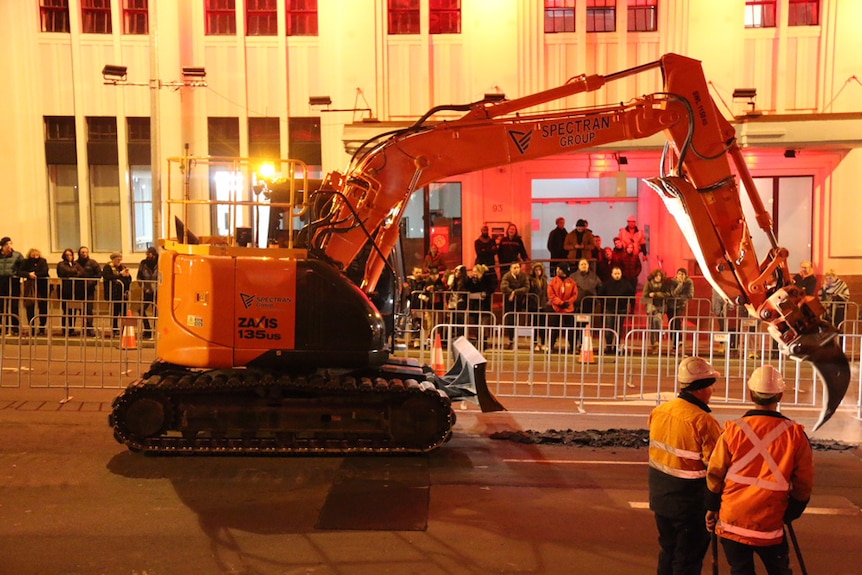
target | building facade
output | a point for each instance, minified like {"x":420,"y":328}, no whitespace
{"x":310,"y":79}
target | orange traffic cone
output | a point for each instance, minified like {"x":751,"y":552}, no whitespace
{"x":437,"y":356}
{"x":130,"y":337}
{"x":587,"y":347}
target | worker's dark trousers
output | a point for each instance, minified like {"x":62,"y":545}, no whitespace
{"x":683,"y":542}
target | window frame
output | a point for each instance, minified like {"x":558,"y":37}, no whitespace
{"x":642,"y":16}
{"x":800,"y":13}
{"x":136,"y":17}
{"x":220,"y":17}
{"x":96,"y":17}
{"x":444,"y":17}
{"x":54,"y":16}
{"x":601,"y":16}
{"x":559,"y":16}
{"x":760,"y":13}
{"x":302,"y":17}
{"x":403,"y":17}
{"x":261,"y":17}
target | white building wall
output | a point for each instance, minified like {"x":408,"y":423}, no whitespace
{"x":795,"y":70}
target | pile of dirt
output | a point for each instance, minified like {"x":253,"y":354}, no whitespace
{"x":633,"y":438}
{"x":630,"y":438}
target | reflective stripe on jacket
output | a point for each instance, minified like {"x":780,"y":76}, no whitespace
{"x":682,"y":437}
{"x":683,"y":434}
{"x":760,"y":461}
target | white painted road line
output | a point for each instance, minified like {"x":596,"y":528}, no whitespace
{"x":808,"y":510}
{"x":574,"y":462}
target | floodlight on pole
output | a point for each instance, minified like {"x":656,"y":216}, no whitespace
{"x":114,"y":74}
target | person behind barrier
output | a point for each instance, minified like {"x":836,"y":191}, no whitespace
{"x":633,"y":236}
{"x":588,"y":288}
{"x":515,"y":286}
{"x":805,"y":279}
{"x":66,"y":272}
{"x":117,"y":280}
{"x":34,"y":271}
{"x":88,"y":271}
{"x":580,"y":242}
{"x":834,"y":295}
{"x":486,"y":249}
{"x":556,"y":241}
{"x":482,"y":283}
{"x":510,"y":248}
{"x":656,"y":291}
{"x":562,"y":295}
{"x":630,"y":263}
{"x":681,"y":290}
{"x":148,"y":275}
{"x":760,"y":476}
{"x":538,"y":302}
{"x":10,"y":285}
{"x":683,"y":434}
{"x":617,"y":299}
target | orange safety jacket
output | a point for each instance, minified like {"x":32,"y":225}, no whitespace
{"x":683,"y":434}
{"x":761,"y":461}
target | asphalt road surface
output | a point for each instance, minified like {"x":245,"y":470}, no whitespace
{"x":73,"y":501}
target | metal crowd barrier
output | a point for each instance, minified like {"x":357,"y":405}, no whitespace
{"x":78,"y":346}
{"x":632,"y":370}
{"x":530,"y":354}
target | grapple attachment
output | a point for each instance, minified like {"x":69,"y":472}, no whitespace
{"x":795,"y":322}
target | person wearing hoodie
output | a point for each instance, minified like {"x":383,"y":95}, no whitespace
{"x":656,"y":291}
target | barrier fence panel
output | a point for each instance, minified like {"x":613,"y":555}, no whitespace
{"x":584,"y":357}
{"x":78,"y":343}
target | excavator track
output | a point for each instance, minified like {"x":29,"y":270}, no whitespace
{"x":246,"y":412}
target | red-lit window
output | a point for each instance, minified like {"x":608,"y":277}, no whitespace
{"x":643,"y":16}
{"x":302,"y":17}
{"x":221,"y":17}
{"x":54,"y":15}
{"x":760,"y":13}
{"x":444,"y":17}
{"x":135,"y":17}
{"x":261,"y":17}
{"x":96,"y":16}
{"x":601,"y":15}
{"x":804,"y":13}
{"x":559,"y":16}
{"x":403,"y":16}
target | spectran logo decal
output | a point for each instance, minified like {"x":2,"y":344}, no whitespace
{"x":263,"y":301}
{"x":247,"y":299}
{"x":521,"y":139}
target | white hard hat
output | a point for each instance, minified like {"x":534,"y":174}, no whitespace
{"x":692,"y":369}
{"x":767,"y":380}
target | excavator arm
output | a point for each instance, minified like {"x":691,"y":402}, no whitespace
{"x":697,"y":184}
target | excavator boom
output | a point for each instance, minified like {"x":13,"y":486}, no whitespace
{"x":697,"y":183}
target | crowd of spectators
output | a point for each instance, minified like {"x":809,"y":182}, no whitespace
{"x":26,"y":281}
{"x":588,"y":284}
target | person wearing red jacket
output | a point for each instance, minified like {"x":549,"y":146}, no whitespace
{"x":760,"y":476}
{"x":562,"y":294}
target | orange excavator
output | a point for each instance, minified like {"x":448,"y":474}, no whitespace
{"x":275,"y":350}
